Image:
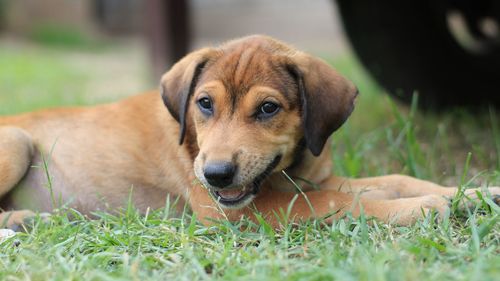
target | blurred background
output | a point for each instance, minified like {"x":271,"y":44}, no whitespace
{"x":83,"y":52}
{"x":123,"y":46}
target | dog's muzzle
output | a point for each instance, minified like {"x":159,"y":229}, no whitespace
{"x":239,"y":197}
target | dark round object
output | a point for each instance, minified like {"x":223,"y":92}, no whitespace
{"x":269,"y":109}
{"x":411,"y":46}
{"x":205,"y":103}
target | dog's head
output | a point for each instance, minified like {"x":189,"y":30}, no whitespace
{"x":251,"y":106}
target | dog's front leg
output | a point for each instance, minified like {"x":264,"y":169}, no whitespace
{"x":333,"y":204}
{"x":399,"y":186}
{"x":317,"y":204}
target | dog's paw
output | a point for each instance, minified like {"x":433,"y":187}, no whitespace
{"x":409,"y":210}
{"x":494,"y":192}
{"x":22,"y":220}
{"x":474,"y":195}
{"x":436,"y":203}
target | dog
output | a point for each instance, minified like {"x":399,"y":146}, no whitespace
{"x":227,"y":133}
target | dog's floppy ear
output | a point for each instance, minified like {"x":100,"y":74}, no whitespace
{"x":178,"y":84}
{"x":327,"y":98}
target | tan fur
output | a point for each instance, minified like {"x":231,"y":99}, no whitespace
{"x":15,"y":161}
{"x":15,"y":218}
{"x":99,"y":155}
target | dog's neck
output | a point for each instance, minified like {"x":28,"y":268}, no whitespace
{"x":306,"y":171}
{"x":298,"y":157}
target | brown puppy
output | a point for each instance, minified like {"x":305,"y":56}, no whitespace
{"x":242,"y":113}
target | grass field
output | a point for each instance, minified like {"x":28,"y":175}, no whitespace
{"x":453,"y":148}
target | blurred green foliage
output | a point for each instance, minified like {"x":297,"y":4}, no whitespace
{"x":63,"y":36}
{"x":33,"y":80}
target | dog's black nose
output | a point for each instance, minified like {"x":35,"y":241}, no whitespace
{"x":219,"y":174}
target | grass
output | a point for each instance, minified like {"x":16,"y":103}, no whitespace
{"x":381,"y":137}
{"x":57,"y":35}
{"x":29,"y":80}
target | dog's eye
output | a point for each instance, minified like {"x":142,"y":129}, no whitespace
{"x":268,"y":109}
{"x":205,"y":105}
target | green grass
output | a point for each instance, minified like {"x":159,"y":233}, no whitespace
{"x":61,"y":36}
{"x":130,"y":246}
{"x":32,"y":80}
{"x":381,"y":137}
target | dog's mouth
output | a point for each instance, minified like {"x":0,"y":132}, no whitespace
{"x":239,"y":197}
{"x":234,"y":197}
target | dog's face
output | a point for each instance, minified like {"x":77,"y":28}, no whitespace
{"x":250,"y":106}
{"x":246,"y":114}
